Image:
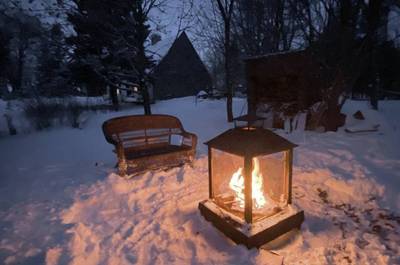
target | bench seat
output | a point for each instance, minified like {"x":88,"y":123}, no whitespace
{"x":133,"y":154}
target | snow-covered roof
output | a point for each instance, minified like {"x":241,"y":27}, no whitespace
{"x":272,"y":54}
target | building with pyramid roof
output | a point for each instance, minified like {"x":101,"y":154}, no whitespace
{"x":181,"y":72}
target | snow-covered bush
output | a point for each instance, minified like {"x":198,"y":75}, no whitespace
{"x":73,"y":111}
{"x":42,"y":113}
{"x":31,"y":114}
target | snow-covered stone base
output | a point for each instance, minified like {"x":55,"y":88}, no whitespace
{"x":255,"y":234}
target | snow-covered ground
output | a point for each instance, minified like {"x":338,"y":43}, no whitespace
{"x":62,"y":203}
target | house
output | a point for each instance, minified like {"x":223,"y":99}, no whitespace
{"x":181,"y":72}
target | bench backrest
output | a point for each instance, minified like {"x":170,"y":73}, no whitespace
{"x":142,"y":131}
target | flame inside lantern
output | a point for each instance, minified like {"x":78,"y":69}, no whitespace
{"x":237,"y":185}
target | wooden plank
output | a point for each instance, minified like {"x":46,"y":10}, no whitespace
{"x":248,"y":201}
{"x":145,"y":134}
{"x":227,"y":203}
{"x":210,"y":189}
{"x":230,"y":227}
{"x":300,"y":122}
{"x":289,"y":164}
{"x":361,"y":129}
{"x":285,"y":183}
{"x":145,"y":137}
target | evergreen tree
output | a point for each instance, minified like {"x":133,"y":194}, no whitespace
{"x":110,"y":42}
{"x":52,"y":68}
{"x":20,"y":34}
{"x":4,"y":53}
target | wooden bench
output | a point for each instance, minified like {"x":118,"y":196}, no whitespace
{"x":146,"y":142}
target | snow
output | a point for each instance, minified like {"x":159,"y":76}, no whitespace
{"x":61,"y":201}
{"x":393,"y":25}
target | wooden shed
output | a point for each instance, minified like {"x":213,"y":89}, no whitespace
{"x":292,"y":77}
{"x":293,"y":82}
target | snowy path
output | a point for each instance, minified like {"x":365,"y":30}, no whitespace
{"x":60,"y":203}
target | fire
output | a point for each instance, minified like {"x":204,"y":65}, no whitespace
{"x":237,"y":185}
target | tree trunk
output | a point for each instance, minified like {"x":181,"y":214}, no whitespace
{"x":114,"y":97}
{"x":142,"y":60}
{"x":11,"y":127}
{"x":146,"y":98}
{"x":228,"y":83}
{"x":279,"y":25}
{"x":310,"y":24}
{"x":372,"y":39}
{"x":20,"y":68}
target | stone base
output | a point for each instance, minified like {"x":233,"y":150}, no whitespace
{"x":256,"y":234}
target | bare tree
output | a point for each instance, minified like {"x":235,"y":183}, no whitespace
{"x":142,"y":62}
{"x":373,"y":17}
{"x":262,"y":27}
{"x":225,"y":8}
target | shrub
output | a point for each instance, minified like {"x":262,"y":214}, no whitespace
{"x":42,"y":113}
{"x":73,"y":112}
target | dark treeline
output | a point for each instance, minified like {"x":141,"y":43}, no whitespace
{"x":107,"y":49}
{"x":100,"y":45}
{"x":349,"y":37}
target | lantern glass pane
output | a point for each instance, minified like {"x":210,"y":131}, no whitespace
{"x":269,"y":185}
{"x":224,"y":167}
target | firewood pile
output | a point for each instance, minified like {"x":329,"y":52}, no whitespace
{"x":230,"y":204}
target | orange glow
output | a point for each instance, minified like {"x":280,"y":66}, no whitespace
{"x":237,"y":185}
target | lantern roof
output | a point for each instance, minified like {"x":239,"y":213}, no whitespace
{"x":250,"y":142}
{"x":249,"y":118}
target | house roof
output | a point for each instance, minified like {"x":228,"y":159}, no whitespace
{"x":180,"y":45}
{"x":277,"y":54}
{"x":181,"y":72}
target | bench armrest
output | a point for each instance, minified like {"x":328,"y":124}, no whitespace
{"x":112,"y":141}
{"x":190,"y":136}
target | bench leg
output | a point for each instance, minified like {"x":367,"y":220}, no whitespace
{"x":191,"y":163}
{"x":122,"y":168}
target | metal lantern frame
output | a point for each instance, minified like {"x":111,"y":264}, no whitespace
{"x":247,"y":143}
